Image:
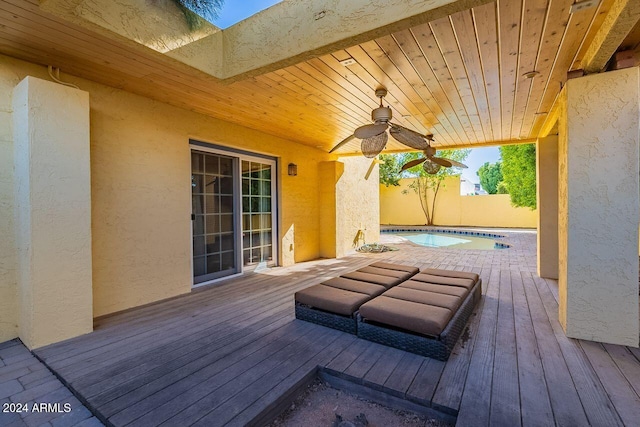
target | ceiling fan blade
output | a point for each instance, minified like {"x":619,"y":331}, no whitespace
{"x":341,"y":143}
{"x":369,"y":131}
{"x":412,"y":163}
{"x":457,"y":164}
{"x":409,"y":137}
{"x":372,"y":146}
{"x":442,"y":162}
{"x":431,"y":167}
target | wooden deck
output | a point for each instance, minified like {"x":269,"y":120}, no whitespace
{"x":232,"y":353}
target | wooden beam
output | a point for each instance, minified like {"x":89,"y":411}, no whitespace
{"x":552,"y":118}
{"x":622,"y":17}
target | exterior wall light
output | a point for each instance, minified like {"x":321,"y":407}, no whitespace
{"x":292,"y":169}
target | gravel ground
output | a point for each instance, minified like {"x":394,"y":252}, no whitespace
{"x":321,"y":405}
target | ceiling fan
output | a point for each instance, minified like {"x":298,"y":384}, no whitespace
{"x":374,"y":136}
{"x":431,"y":163}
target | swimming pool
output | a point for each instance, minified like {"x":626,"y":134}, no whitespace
{"x":450,"y":241}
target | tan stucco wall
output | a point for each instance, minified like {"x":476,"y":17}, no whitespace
{"x":141,"y":193}
{"x":547,"y":194}
{"x":357,"y":199}
{"x":599,"y":138}
{"x":329,"y":173}
{"x":452,"y":208}
{"x":53,"y":211}
{"x":8,"y":289}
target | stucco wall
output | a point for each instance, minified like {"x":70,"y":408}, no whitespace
{"x":547,"y":195}
{"x":356,"y":195}
{"x":452,"y":208}
{"x":599,"y":131}
{"x":141,"y":193}
{"x":8,"y":290}
{"x":53,"y":211}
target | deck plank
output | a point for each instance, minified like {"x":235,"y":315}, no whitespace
{"x":505,"y":397}
{"x":475,"y":406}
{"x":565,"y":401}
{"x":622,"y":395}
{"x":234,"y":353}
{"x":534,"y":395}
{"x":597,"y":405}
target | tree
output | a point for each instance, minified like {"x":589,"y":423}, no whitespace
{"x":490,"y":176}
{"x":389,"y":170}
{"x":197,"y":11}
{"x":519,"y":172}
{"x":425,"y":185}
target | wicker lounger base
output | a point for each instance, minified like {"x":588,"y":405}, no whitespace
{"x":436,"y":348}
{"x":324,"y":318}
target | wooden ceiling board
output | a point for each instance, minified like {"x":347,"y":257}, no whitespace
{"x":423,"y":72}
{"x":394,"y":52}
{"x":459,"y":77}
{"x":446,"y":41}
{"x":551,"y":39}
{"x":533,"y":20}
{"x":485,"y":21}
{"x":509,"y":18}
{"x":464,"y":29}
{"x":574,"y":34}
{"x":434,"y":58}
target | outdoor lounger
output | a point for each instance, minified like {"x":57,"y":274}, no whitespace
{"x":424,"y":315}
{"x":334,"y":303}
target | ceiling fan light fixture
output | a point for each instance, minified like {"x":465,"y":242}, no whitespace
{"x":430,"y":167}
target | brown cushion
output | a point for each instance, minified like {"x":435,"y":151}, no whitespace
{"x":443,"y":280}
{"x":355,"y":286}
{"x":451,"y":273}
{"x":437,"y":288}
{"x":378,"y":279}
{"x":331,"y":299}
{"x":399,"y":267}
{"x":412,"y":316}
{"x":386,"y":272}
{"x":424,"y":297}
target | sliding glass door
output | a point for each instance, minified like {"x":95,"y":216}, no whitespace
{"x":257,"y":213}
{"x":213,"y":179}
{"x":233,"y":213}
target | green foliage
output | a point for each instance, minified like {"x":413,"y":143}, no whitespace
{"x":197,"y":12}
{"x":490,"y":176}
{"x":519,"y":171}
{"x":425,"y":185}
{"x":502,"y":188}
{"x":389,"y":170}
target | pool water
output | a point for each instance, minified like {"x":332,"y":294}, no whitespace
{"x":439,"y":240}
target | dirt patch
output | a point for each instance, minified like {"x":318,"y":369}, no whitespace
{"x":322,"y":405}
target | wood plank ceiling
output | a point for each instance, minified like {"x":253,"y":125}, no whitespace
{"x":461,"y":77}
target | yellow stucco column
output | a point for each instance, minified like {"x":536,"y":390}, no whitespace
{"x":598,"y":207}
{"x":328,"y":173}
{"x":547,"y":176}
{"x":53,"y":211}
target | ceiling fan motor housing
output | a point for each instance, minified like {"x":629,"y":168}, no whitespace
{"x":381,"y":114}
{"x":430,"y":151}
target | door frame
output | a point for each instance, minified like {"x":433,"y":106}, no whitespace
{"x":238,"y":156}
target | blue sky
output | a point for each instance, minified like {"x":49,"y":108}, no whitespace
{"x":477,"y":158}
{"x":235,"y":11}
